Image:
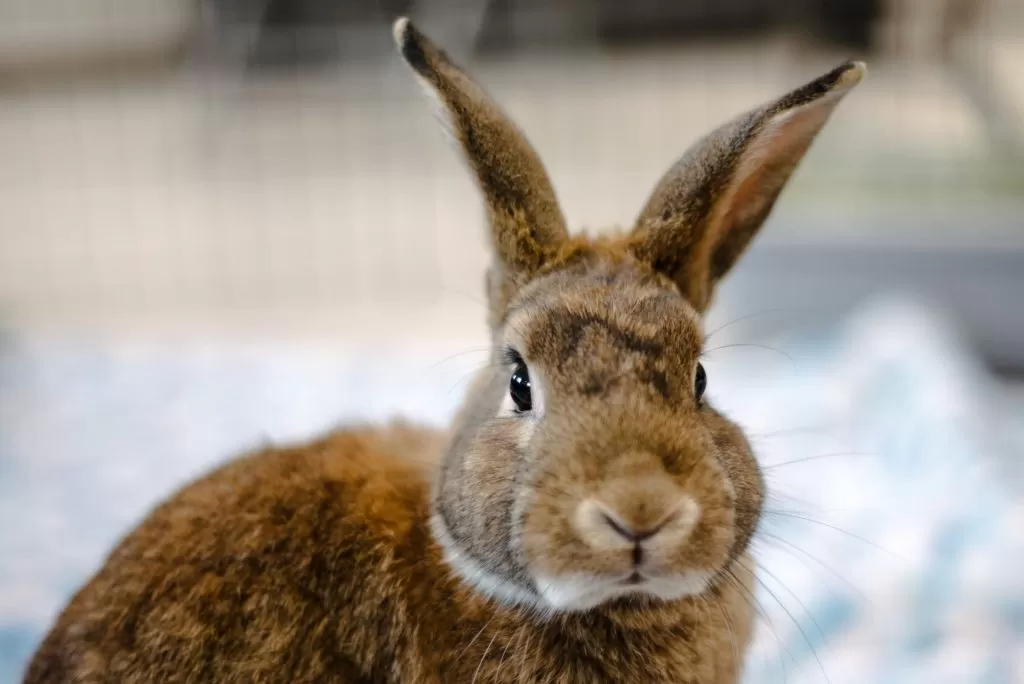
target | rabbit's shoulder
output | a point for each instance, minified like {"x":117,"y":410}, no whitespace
{"x":255,"y":571}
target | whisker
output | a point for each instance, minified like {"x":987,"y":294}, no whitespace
{"x":786,"y":432}
{"x":820,"y":562}
{"x":756,"y":314}
{"x":732,"y":632}
{"x":833,"y":593}
{"x":476,"y":350}
{"x":473,"y":640}
{"x":776,"y":495}
{"x":797,"y":624}
{"x":465,"y":376}
{"x":763,"y":614}
{"x":526,"y":651}
{"x":504,"y":652}
{"x":483,"y":658}
{"x":800,"y":504}
{"x":796,"y":598}
{"x":752,"y":597}
{"x":753,"y":345}
{"x":805,"y":459}
{"x":471,"y":297}
{"x":797,"y":516}
{"x":738,"y":585}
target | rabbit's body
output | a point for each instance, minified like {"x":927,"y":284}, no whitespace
{"x":586,"y":520}
{"x":188,"y":598}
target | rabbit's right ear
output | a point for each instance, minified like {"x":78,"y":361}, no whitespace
{"x":526,"y":222}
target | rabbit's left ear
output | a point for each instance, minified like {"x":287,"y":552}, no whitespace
{"x":705,"y":210}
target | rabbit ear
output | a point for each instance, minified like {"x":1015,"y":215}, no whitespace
{"x":705,"y":210}
{"x":526,"y":222}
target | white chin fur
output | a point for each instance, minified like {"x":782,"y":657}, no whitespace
{"x":475,"y":575}
{"x":582,"y":592}
{"x":566,"y":593}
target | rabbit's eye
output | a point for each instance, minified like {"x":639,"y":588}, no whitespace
{"x":519,"y":387}
{"x":700,"y":382}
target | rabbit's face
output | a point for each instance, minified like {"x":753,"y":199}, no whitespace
{"x":585,"y":466}
{"x":590,"y":467}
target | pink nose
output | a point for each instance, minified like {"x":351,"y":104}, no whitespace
{"x":627,"y":531}
{"x":639,"y":523}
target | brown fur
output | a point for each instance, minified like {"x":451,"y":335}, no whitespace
{"x":397,"y":554}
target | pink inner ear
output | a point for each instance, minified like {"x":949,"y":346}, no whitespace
{"x":766,"y":165}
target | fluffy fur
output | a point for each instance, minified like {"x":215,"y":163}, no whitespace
{"x":600,"y":536}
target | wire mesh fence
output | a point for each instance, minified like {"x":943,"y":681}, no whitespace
{"x":277,"y":154}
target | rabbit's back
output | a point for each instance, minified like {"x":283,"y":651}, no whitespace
{"x":283,"y":565}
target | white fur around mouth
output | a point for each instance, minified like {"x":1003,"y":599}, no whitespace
{"x":582,"y":592}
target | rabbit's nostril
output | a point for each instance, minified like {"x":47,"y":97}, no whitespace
{"x":628,"y":532}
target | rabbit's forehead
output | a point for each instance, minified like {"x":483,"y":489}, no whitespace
{"x":591,"y":333}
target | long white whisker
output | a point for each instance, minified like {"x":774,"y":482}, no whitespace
{"x":805,"y":459}
{"x":796,"y":623}
{"x":797,"y":516}
{"x":821,"y":563}
{"x":746,"y":317}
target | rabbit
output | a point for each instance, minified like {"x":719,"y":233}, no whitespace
{"x":587,"y":517}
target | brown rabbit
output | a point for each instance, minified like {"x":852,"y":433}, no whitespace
{"x":588,"y":518}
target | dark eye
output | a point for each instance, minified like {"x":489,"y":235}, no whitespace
{"x":700,"y":382}
{"x":519,"y":387}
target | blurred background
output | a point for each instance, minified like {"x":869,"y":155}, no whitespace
{"x":230,"y":221}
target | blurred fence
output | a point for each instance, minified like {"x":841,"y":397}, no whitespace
{"x":251,"y":154}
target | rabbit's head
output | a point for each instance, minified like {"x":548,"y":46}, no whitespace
{"x":586,"y":467}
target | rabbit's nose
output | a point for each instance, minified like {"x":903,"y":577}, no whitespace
{"x":648,"y":518}
{"x":633,"y":535}
{"x":628,"y":532}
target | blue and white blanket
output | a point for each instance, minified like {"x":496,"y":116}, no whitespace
{"x":891,"y":552}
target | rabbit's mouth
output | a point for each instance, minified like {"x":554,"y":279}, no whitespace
{"x":582,"y":592}
{"x":634,"y":579}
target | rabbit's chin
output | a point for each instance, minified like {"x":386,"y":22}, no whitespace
{"x":578,"y":592}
